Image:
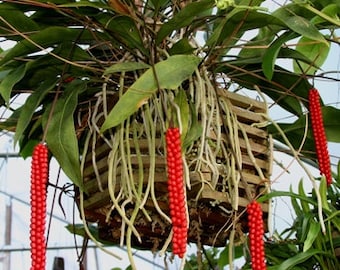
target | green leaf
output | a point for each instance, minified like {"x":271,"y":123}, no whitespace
{"x":182,"y":103}
{"x":313,"y":232}
{"x":303,"y":227}
{"x":78,"y":229}
{"x":331,"y":116}
{"x":316,"y":52}
{"x":44,"y":38}
{"x":295,"y":132}
{"x":299,"y":258}
{"x":243,"y":20}
{"x":275,"y":193}
{"x":125,"y":30}
{"x":184,"y":18}
{"x":126,"y":66}
{"x":10,"y":80}
{"x":10,"y":122}
{"x":304,"y":205}
{"x":183,"y":46}
{"x":270,"y":56}
{"x":16,"y":19}
{"x":323,"y":193}
{"x":293,"y":54}
{"x":85,"y":4}
{"x":338,"y":173}
{"x":329,"y":14}
{"x":298,"y":23}
{"x":264,"y":37}
{"x":169,"y":75}
{"x":282,"y":83}
{"x":195,"y":130}
{"x":61,"y":136}
{"x":30,"y":105}
{"x":223,"y":259}
{"x":297,"y":209}
{"x":27,"y":149}
{"x":54,"y":1}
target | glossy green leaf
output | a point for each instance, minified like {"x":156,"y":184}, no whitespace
{"x":125,"y":30}
{"x":54,"y":1}
{"x":303,"y":226}
{"x":223,"y":259}
{"x":195,"y":130}
{"x":331,"y":10}
{"x":9,"y":124}
{"x":78,"y":229}
{"x":184,"y":18}
{"x":85,"y":4}
{"x":313,"y":232}
{"x":7,"y":84}
{"x":126,"y":66}
{"x":26,"y":150}
{"x":31,"y":104}
{"x":296,"y":206}
{"x":270,"y":56}
{"x":4,"y":73}
{"x":45,"y":38}
{"x":264,"y":37}
{"x":158,"y":4}
{"x":331,"y":116}
{"x":283,"y":88}
{"x":61,"y":136}
{"x":169,"y":75}
{"x":295,"y":131}
{"x":17,"y":19}
{"x":304,"y":205}
{"x":243,"y":20}
{"x":299,"y":258}
{"x":182,"y":103}
{"x":316,"y":52}
{"x":323,"y":193}
{"x":338,"y":173}
{"x":288,"y":53}
{"x":183,"y":46}
{"x":298,"y":23}
{"x":275,"y":193}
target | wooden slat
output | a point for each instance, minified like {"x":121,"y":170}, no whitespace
{"x":208,"y":193}
{"x":243,"y":101}
{"x":247,"y":116}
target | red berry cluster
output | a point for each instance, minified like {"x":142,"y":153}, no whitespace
{"x":319,"y":135}
{"x":256,"y":231}
{"x":39,"y":176}
{"x":176,"y":192}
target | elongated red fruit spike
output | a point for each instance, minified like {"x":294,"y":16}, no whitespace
{"x":256,"y":231}
{"x":319,"y":135}
{"x":39,"y":177}
{"x":176,"y":187}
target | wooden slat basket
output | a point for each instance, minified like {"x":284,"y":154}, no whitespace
{"x":217,"y":190}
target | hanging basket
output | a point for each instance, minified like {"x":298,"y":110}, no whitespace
{"x":217,"y":190}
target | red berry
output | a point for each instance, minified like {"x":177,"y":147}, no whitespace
{"x":176,"y":191}
{"x":39,"y":176}
{"x":319,"y":135}
{"x":255,"y":224}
